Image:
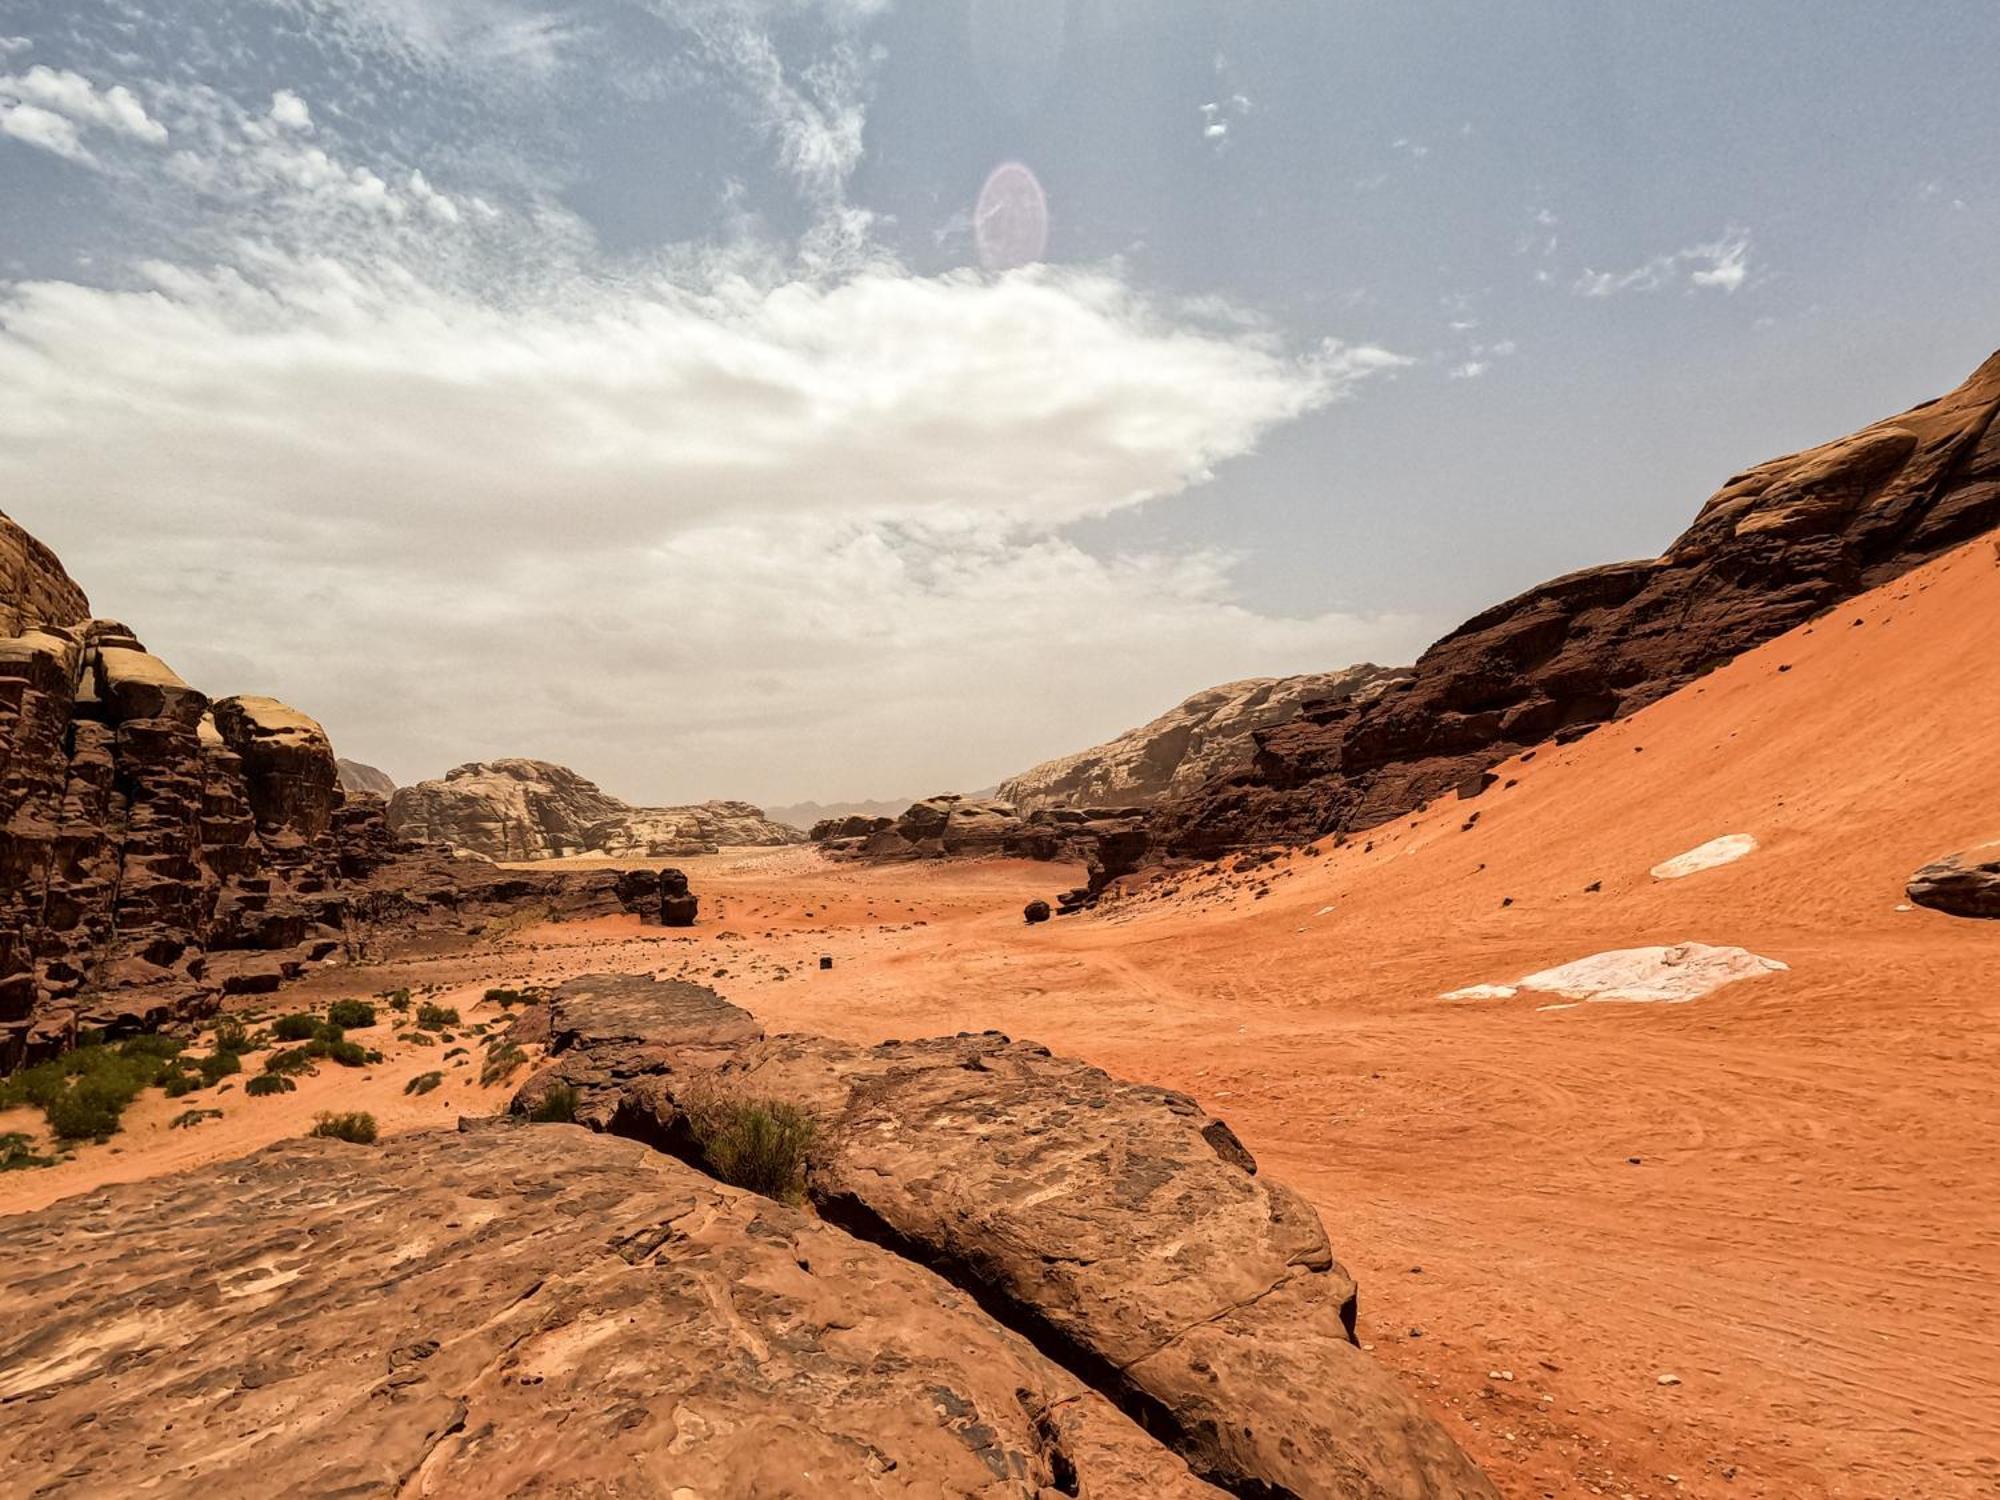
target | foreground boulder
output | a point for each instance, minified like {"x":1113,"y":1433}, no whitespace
{"x":1963,"y":885}
{"x":1775,"y":547}
{"x":529,"y":809}
{"x":515,"y":1311}
{"x":1120,"y":1226}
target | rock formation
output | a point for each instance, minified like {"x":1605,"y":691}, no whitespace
{"x":158,"y":848}
{"x":517,"y":1311}
{"x":358,"y":780}
{"x":1108,"y":841}
{"x":1962,"y":885}
{"x":529,"y":809}
{"x":1777,"y":546}
{"x":1120,"y":1227}
{"x":1210,"y":735}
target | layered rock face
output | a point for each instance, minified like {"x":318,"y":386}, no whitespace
{"x":510,"y":1312}
{"x":358,"y":780}
{"x":1210,"y":735}
{"x":141,"y":825}
{"x":1122,"y":1228}
{"x":158,"y":848}
{"x":1775,"y":547}
{"x":529,"y":809}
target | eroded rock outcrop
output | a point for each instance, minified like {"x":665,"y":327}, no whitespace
{"x":158,"y":849}
{"x":1120,"y":1226}
{"x":1110,"y":842}
{"x":514,"y":1311}
{"x":1210,"y":735}
{"x":1966,"y":884}
{"x":519,"y":809}
{"x":1773,"y":548}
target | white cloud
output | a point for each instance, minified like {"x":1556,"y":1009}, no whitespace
{"x":1720,"y":265}
{"x":290,"y":111}
{"x":1471,"y":369}
{"x":78,"y":99}
{"x":9,"y":45}
{"x":675,"y":533}
{"x":35,"y":126}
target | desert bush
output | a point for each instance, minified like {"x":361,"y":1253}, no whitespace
{"x":436,"y":1017}
{"x":266,"y":1084}
{"x":189,"y":1118}
{"x":83,"y":1093}
{"x":291,"y":1061}
{"x":399,"y":1000}
{"x":507,"y":999}
{"x":296,"y":1028}
{"x":218,"y":1066}
{"x":232,"y":1036}
{"x":556,"y":1107}
{"x":347,"y":1054}
{"x":17,"y":1153}
{"x":502,"y":1063}
{"x":355,"y":1127}
{"x":351,"y":1014}
{"x":423,"y":1083}
{"x":759,"y":1144}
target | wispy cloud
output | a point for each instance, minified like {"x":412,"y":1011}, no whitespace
{"x":1719,"y":265}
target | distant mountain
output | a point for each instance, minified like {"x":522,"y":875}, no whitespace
{"x":518,"y":809}
{"x":1207,"y":736}
{"x":357,"y":779}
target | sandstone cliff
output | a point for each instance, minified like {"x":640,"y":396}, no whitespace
{"x":1777,"y":545}
{"x":519,"y":809}
{"x":1210,"y":735}
{"x":158,"y":848}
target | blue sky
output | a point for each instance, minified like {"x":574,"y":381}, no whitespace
{"x":629,"y":382}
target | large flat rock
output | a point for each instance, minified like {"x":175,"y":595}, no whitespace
{"x":512,"y":1312}
{"x":1121,"y":1226}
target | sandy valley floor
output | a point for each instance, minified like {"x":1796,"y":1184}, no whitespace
{"x":1744,"y":1246}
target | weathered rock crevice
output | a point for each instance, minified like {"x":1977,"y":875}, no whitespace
{"x":1109,"y":1224}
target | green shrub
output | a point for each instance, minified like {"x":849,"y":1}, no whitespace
{"x":423,"y":1083}
{"x":17,"y":1153}
{"x":84,"y":1092}
{"x":176,"y":1084}
{"x":507,"y":999}
{"x":355,"y":1127}
{"x":436,"y":1017}
{"x":266,"y":1084}
{"x":188,"y":1118}
{"x":352,"y":1015}
{"x":759,"y":1144}
{"x":292,"y":1061}
{"x":556,"y":1107}
{"x":399,"y":1000}
{"x":347,"y":1054}
{"x":218,"y":1066}
{"x":230,"y":1036}
{"x":296,"y":1028}
{"x":502,"y":1063}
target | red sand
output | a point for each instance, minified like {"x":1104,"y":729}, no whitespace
{"x":1809,"y":1241}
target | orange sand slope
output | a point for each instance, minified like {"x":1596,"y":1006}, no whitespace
{"x":1810,"y":1241}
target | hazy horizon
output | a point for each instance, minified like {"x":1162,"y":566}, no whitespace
{"x":638,"y":384}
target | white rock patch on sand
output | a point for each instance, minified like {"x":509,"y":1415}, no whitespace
{"x":1665,"y":975}
{"x":1672,"y":976}
{"x":1723,"y":851}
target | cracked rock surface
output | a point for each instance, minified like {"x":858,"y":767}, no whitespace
{"x":515,"y":1311}
{"x":1119,"y":1225}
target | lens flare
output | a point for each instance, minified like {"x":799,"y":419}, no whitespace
{"x":1011,"y":222}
